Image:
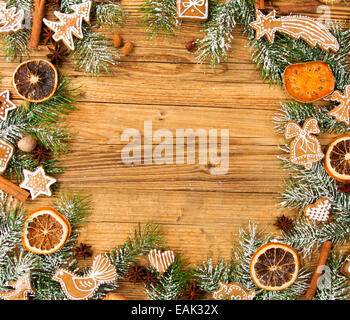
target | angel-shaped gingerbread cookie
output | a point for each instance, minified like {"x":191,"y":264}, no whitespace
{"x":305,"y":149}
{"x":342,"y":111}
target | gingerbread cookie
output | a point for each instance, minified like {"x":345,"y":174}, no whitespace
{"x":22,"y":287}
{"x":305,"y":149}
{"x":318,"y":211}
{"x":161,"y":261}
{"x":6,"y":153}
{"x":70,"y":23}
{"x":10,"y":20}
{"x":341,"y":112}
{"x":233,"y":291}
{"x":192,"y":9}
{"x":83,"y":287}
{"x":297,"y":27}
{"x":37,"y":182}
{"x":6,"y":104}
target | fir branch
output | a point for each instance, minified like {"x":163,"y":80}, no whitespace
{"x":217,"y":42}
{"x":300,"y":112}
{"x":11,"y":225}
{"x":109,"y":14}
{"x":335,"y":286}
{"x":208,"y":275}
{"x":270,"y":58}
{"x":75,"y":208}
{"x":53,"y":136}
{"x":159,"y":17}
{"x":94,"y":53}
{"x":16,"y":266}
{"x":53,"y":110}
{"x":238,"y":270}
{"x":44,"y":121}
{"x":307,"y":236}
{"x":249,"y":242}
{"x":140,"y":243}
{"x":22,"y":161}
{"x":15,"y":44}
{"x":173,"y":282}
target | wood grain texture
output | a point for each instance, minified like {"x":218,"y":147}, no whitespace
{"x":161,"y":82}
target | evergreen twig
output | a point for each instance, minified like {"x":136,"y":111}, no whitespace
{"x":159,"y":17}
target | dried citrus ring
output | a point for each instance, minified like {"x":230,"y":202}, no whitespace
{"x":45,"y":231}
{"x":337,"y":159}
{"x":35,"y":80}
{"x":309,"y":81}
{"x":274,"y":267}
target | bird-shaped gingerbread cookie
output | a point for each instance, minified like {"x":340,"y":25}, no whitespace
{"x":22,"y":287}
{"x":83,"y":287}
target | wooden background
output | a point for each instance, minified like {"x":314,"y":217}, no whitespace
{"x":161,"y":82}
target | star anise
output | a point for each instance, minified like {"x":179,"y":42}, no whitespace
{"x":193,"y":292}
{"x":40,"y":154}
{"x":284,"y":223}
{"x":82,"y":251}
{"x":47,"y":35}
{"x":136,"y":274}
{"x":57,"y":53}
{"x":150,"y":278}
{"x":344,"y":187}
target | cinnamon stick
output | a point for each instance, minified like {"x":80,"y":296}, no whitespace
{"x":325,"y":250}
{"x":13,"y":190}
{"x":259,"y":4}
{"x":39,"y":13}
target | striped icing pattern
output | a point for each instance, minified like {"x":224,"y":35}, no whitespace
{"x":297,"y":27}
{"x":161,"y":261}
{"x":310,"y":30}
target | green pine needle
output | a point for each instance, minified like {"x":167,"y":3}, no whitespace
{"x":159,"y":18}
{"x":94,"y":53}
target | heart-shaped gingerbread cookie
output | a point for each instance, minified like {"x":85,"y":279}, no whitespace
{"x":161,"y":261}
{"x":318,"y":211}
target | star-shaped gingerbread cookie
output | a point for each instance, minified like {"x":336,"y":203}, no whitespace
{"x":265,"y":25}
{"x":37,"y":182}
{"x":5,"y":104}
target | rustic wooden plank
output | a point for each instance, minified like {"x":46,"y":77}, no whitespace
{"x":161,"y":82}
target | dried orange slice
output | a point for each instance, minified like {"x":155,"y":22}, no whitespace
{"x":45,"y":231}
{"x":337,"y":159}
{"x":309,"y":81}
{"x":35,"y":80}
{"x":274,"y":267}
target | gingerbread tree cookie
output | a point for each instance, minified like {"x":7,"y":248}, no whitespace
{"x":192,"y":9}
{"x":342,"y":111}
{"x":6,"y":153}
{"x":6,"y":104}
{"x":305,"y":149}
{"x":10,"y":20}
{"x":70,"y":24}
{"x":297,"y":27}
{"x":37,"y":182}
